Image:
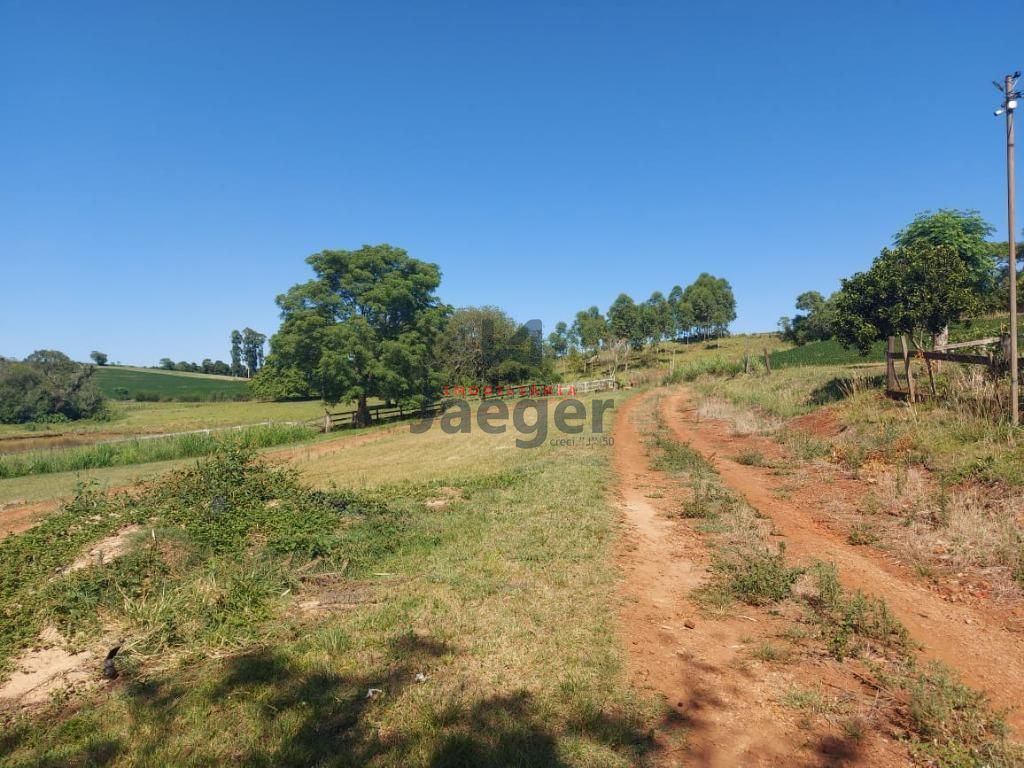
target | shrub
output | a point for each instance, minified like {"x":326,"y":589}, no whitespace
{"x":44,"y":385}
{"x":757,"y":577}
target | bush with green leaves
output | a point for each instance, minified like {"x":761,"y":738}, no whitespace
{"x":47,"y":386}
{"x":219,"y":547}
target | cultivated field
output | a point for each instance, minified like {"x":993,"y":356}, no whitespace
{"x":126,"y":383}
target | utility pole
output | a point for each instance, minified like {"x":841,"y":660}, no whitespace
{"x":1010,"y":96}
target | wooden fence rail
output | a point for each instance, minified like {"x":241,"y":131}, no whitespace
{"x":994,"y":360}
{"x":382,"y":413}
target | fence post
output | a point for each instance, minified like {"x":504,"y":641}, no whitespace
{"x":767,"y":361}
{"x":327,"y":421}
{"x":891,"y":384}
{"x":906,"y":367}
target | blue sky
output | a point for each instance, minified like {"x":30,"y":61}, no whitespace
{"x":166,"y":167}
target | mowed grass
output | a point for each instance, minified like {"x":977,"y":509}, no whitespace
{"x":466,"y":617}
{"x":167,"y":385}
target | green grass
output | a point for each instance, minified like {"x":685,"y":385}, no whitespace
{"x":139,"y":383}
{"x":128,"y":452}
{"x":504,"y":601}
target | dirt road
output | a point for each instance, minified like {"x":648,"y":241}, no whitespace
{"x":726,"y":712}
{"x":987,"y":656}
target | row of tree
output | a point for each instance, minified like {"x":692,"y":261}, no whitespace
{"x":703,"y":310}
{"x":940,"y":269}
{"x":247,"y":357}
{"x":370,"y":324}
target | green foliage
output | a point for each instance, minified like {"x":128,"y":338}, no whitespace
{"x":153,"y":386}
{"x":756,"y":577}
{"x":713,"y":306}
{"x":624,"y":321}
{"x":965,"y":233}
{"x":129,"y":452}
{"x":100,"y":358}
{"x":47,"y":385}
{"x":954,"y":726}
{"x":590,"y":329}
{"x":917,"y":290}
{"x":483,"y":345}
{"x":815,"y":324}
{"x":223,"y":540}
{"x":848,"y":622}
{"x":829,"y":352}
{"x":364,"y":327}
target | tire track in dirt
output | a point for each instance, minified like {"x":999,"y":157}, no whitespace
{"x":724,"y":711}
{"x":985,"y":654}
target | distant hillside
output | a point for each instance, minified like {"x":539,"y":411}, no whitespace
{"x":122,"y":383}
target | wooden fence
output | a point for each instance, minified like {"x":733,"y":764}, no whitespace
{"x":993,"y":353}
{"x":380,"y":414}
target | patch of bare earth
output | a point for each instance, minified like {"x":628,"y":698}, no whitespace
{"x":41,"y":672}
{"x":967,"y":630}
{"x":444,"y":496}
{"x":106,"y":550}
{"x":727,"y":707}
{"x":18,"y":516}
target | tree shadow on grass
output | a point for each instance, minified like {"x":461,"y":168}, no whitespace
{"x":263,"y":708}
{"x":842,"y":387}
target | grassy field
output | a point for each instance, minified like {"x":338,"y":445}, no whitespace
{"x":467,"y":618}
{"x":123,"y":383}
{"x":130,"y":418}
{"x":127,"y":452}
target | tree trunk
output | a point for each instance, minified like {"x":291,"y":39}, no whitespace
{"x":362,"y":413}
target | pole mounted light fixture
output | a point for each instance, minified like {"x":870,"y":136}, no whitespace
{"x":1010,"y":98}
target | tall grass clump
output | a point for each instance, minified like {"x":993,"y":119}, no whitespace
{"x":142,"y":451}
{"x":708,"y":366}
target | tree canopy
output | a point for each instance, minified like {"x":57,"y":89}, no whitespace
{"x":916,"y":290}
{"x":712,"y":303}
{"x":963,"y":231}
{"x":483,"y":345}
{"x":47,"y":386}
{"x":364,"y":327}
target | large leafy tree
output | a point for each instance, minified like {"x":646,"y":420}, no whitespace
{"x":657,"y":318}
{"x":252,"y":350}
{"x":963,"y":231}
{"x":916,"y":290}
{"x":559,"y":340}
{"x":364,"y":327}
{"x":236,"y":353}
